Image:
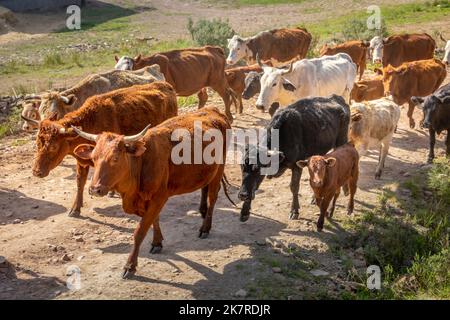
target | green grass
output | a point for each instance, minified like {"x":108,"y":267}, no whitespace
{"x":408,"y":237}
{"x":11,"y":124}
{"x":265,"y":2}
{"x":184,"y":102}
{"x":392,"y":15}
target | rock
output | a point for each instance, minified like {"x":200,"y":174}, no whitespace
{"x":60,"y":248}
{"x":2,"y":261}
{"x":192,"y":213}
{"x":319,"y":273}
{"x":65,"y":257}
{"x":358,"y":263}
{"x":80,"y":258}
{"x":241,"y":293}
{"x":406,"y":174}
{"x":359,"y":251}
{"x":16,"y":221}
{"x":261,"y":242}
{"x":276,"y":270}
{"x":79,"y":239}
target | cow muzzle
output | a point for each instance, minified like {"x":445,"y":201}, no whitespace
{"x":39,"y":173}
{"x":98,"y":191}
{"x":246,"y":196}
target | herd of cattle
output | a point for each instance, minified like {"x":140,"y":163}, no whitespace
{"x":328,"y":116}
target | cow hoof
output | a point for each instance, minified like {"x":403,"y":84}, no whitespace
{"x":293,"y":215}
{"x":203,"y":234}
{"x":430,"y":160}
{"x":244,"y":217}
{"x":156,"y":249}
{"x":377,"y":176}
{"x":74,"y":213}
{"x":319,"y":228}
{"x":412,"y":124}
{"x":128,"y":273}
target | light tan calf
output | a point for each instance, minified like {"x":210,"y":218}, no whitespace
{"x":74,"y":97}
{"x":373,"y":123}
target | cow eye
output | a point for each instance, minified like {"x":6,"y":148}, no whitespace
{"x":274,"y":84}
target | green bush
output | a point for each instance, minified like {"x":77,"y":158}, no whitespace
{"x":356,"y":29}
{"x":210,"y":32}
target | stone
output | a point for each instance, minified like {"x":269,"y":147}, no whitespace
{"x":241,"y":293}
{"x":319,"y":273}
{"x":16,"y":221}
{"x":79,"y":239}
{"x":80,"y":258}
{"x":276,"y":270}
{"x":65,"y":257}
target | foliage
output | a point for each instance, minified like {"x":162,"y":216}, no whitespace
{"x":210,"y":32}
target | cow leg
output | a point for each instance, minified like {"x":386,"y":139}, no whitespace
{"x":140,"y":232}
{"x":432,"y":143}
{"x":225,"y":93}
{"x":157,"y":237}
{"x":324,"y":203}
{"x":333,"y":204}
{"x":353,"y":185}
{"x":82,"y":173}
{"x":202,"y":97}
{"x":213,"y":192}
{"x":295,"y":187}
{"x":241,"y":105}
{"x":203,"y":204}
{"x":412,"y":123}
{"x":384,"y":149}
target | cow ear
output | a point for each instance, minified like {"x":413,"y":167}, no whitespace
{"x":361,"y":86}
{"x":136,"y":148}
{"x":331,"y":162}
{"x":287,"y":85}
{"x":137,"y":58}
{"x":417,"y":100}
{"x":302,"y":163}
{"x":83,"y":151}
{"x":117,"y":58}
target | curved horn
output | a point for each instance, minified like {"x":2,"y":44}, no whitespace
{"x":291,"y":67}
{"x":442,"y":38}
{"x":136,"y":137}
{"x":36,"y":122}
{"x":65,"y":99}
{"x":85,"y":135}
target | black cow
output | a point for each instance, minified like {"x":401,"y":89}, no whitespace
{"x":436,"y":115}
{"x":308,"y":127}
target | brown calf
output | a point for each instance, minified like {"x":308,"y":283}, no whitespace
{"x":142,"y":170}
{"x":124,"y":111}
{"x":236,"y":80}
{"x":367,"y":90}
{"x":357,"y":50}
{"x":328,"y":174}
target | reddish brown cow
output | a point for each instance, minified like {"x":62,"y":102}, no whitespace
{"x":189,"y":71}
{"x":236,"y":80}
{"x":328,"y":174}
{"x":278,"y":45}
{"x":142,"y":170}
{"x":124,"y":111}
{"x":401,"y":48}
{"x":369,"y":89}
{"x":417,"y":78}
{"x":357,"y":50}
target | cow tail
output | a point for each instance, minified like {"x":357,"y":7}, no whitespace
{"x":225,"y":182}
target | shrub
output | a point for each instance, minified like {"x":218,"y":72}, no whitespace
{"x":210,"y":32}
{"x":356,"y":29}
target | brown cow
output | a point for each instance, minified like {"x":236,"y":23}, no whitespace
{"x":368,"y":89}
{"x":189,"y":71}
{"x":143,"y":170}
{"x":357,"y":50}
{"x":236,"y":80}
{"x":401,"y":48}
{"x":278,"y":45}
{"x":124,"y":111}
{"x":417,"y":78}
{"x":30,"y":111}
{"x":328,"y":174}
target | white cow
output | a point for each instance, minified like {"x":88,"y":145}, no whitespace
{"x":318,"y":77}
{"x":373,"y":123}
{"x":376,"y":49}
{"x":446,"y":59}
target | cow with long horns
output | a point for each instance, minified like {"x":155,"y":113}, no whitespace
{"x":143,"y":170}
{"x":124,"y":111}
